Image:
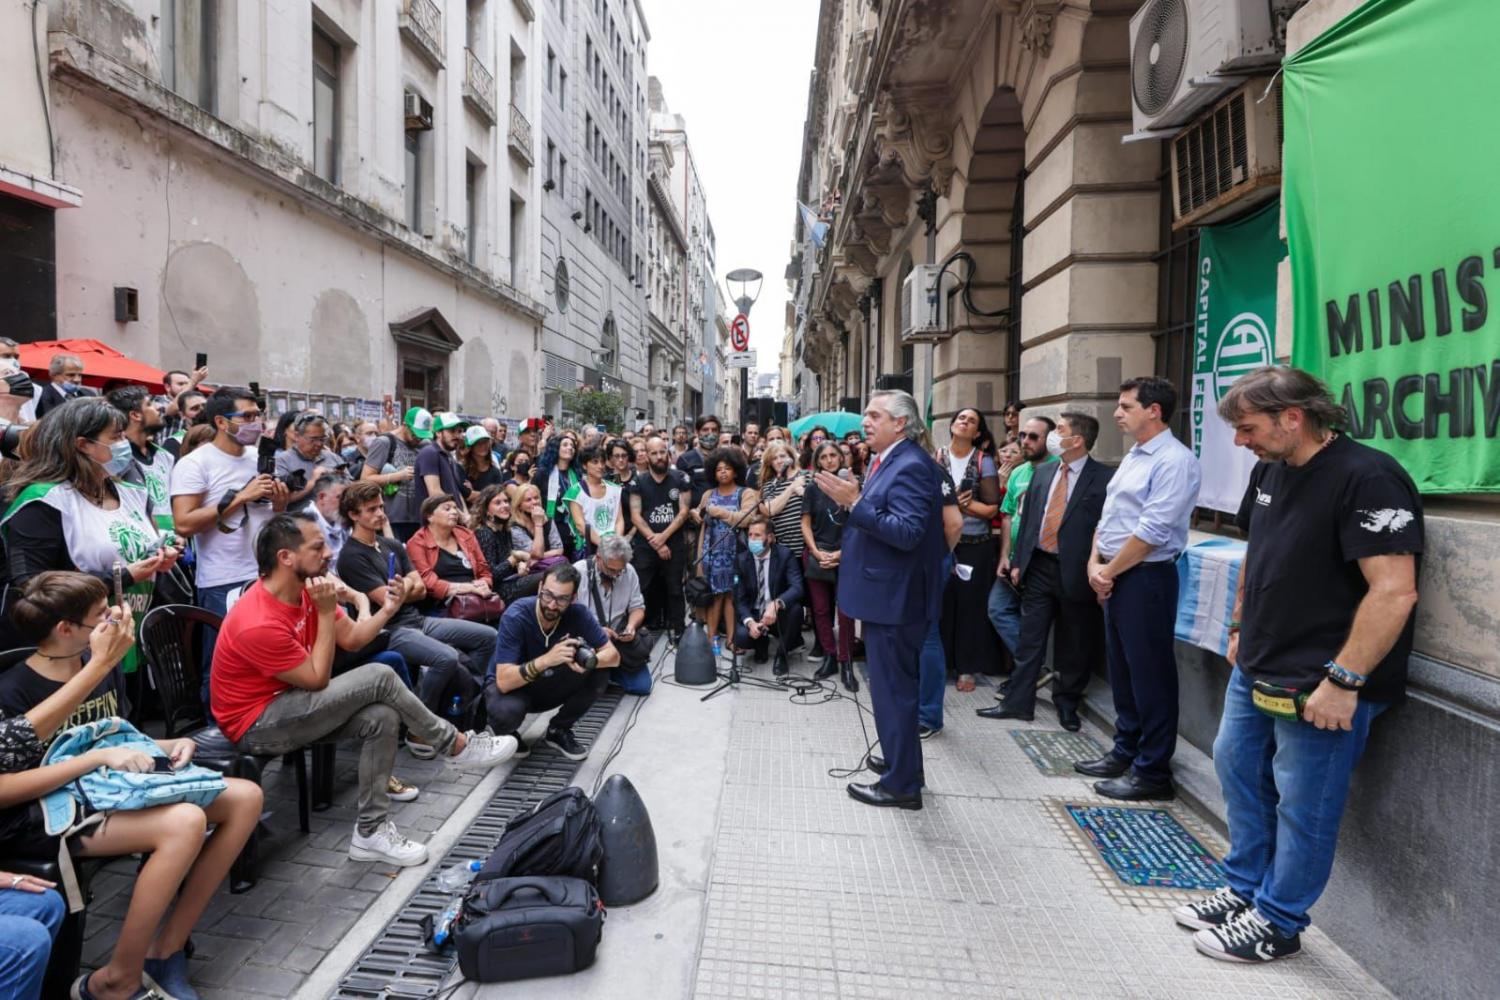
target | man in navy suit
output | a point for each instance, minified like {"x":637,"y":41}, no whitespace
{"x":891,"y":580}
{"x":1050,"y":565}
{"x":767,"y":595}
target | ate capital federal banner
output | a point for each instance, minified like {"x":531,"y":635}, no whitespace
{"x":1233,"y":333}
{"x":1392,"y":145}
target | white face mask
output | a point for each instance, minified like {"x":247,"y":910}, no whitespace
{"x":1054,"y":443}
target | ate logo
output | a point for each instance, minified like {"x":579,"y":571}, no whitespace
{"x":1262,"y":498}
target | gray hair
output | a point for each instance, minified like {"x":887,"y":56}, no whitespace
{"x":9,"y":343}
{"x":1277,"y":388}
{"x":901,"y":404}
{"x":613,"y":547}
{"x":61,"y":361}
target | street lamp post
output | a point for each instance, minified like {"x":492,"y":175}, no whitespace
{"x":744,"y":277}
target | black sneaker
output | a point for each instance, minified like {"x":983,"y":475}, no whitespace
{"x":523,"y":749}
{"x":926,"y":732}
{"x":1249,"y":938}
{"x":566,"y":744}
{"x":1214,"y":911}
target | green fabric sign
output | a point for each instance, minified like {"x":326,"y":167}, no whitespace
{"x":1394,"y":231}
{"x":1232,"y":335}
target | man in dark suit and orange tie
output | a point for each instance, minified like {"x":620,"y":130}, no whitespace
{"x":891,"y":580}
{"x":1050,"y":565}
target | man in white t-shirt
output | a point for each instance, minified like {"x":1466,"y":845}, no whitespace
{"x":221,"y":501}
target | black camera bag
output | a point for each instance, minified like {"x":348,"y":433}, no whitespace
{"x":561,"y":836}
{"x":520,"y":928}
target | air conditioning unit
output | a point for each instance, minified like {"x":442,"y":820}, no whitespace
{"x":924,"y":306}
{"x":886,"y":383}
{"x":1228,"y":159}
{"x":418,"y":113}
{"x":1185,"y":54}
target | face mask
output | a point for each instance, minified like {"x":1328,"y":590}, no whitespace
{"x":1054,"y":443}
{"x":70,"y":388}
{"x":522,"y":468}
{"x":20,"y":384}
{"x":708,"y":441}
{"x":757,"y":546}
{"x":368,"y":441}
{"x":119,"y":457}
{"x":248,"y":433}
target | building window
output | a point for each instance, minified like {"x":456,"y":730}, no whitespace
{"x":551,"y":67}
{"x":414,"y":180}
{"x":325,"y":123}
{"x":562,"y":174}
{"x":189,"y":49}
{"x":475,"y":217}
{"x":517,"y":239}
{"x":1176,"y":302}
{"x":562,"y":87}
{"x":609,"y":344}
{"x":551,"y":156}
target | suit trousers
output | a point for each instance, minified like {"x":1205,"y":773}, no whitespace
{"x":1138,"y":633}
{"x":1074,"y":641}
{"x":894,"y":657}
{"x":787,"y":630}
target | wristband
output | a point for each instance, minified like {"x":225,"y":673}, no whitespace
{"x":1343,"y":677}
{"x":1234,"y":625}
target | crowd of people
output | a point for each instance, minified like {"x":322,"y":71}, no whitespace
{"x":423,"y":584}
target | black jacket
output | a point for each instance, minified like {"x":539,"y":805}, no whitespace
{"x":786,"y":581}
{"x":1075,"y":539}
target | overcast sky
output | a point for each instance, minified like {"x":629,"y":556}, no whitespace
{"x":737,"y":71}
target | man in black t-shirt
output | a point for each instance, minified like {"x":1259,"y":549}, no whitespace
{"x":658,"y":502}
{"x":445,"y":647}
{"x":535,"y":667}
{"x":1321,"y":633}
{"x":692,"y":461}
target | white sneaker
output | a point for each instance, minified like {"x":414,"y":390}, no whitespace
{"x":483,"y":751}
{"x":387,"y":845}
{"x":421,"y":751}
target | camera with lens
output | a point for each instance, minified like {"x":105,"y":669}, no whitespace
{"x":10,"y":441}
{"x":586,"y":657}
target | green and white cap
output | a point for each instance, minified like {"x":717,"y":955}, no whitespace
{"x":474,"y":435}
{"x":419,"y":422}
{"x":447,"y":421}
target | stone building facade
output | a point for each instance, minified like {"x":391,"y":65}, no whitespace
{"x":331,"y":198}
{"x":995,"y":127}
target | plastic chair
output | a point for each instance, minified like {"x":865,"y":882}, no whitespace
{"x":169,"y":642}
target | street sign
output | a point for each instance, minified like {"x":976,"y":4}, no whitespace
{"x":742,"y":359}
{"x":739,"y":332}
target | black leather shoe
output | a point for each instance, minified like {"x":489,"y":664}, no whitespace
{"x":829,"y":667}
{"x":878,"y":764}
{"x":1001,"y":712}
{"x":1108,"y":766}
{"x":847,"y":675}
{"x":1068,"y":718}
{"x":779,"y":668}
{"x":874,"y":795}
{"x":1132,"y":788}
{"x":762,"y":655}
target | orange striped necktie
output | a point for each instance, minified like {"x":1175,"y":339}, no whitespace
{"x":1056,"y":503}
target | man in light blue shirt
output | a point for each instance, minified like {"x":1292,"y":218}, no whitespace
{"x":1143,"y":530}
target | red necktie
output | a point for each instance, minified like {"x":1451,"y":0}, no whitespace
{"x":1053,"y":515}
{"x":873,"y":466}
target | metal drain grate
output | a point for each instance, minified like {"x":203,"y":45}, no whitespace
{"x":1148,"y":848}
{"x":398,"y":964}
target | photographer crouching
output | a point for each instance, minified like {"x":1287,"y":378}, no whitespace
{"x":550,"y":653}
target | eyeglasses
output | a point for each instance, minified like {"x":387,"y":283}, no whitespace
{"x":320,"y":440}
{"x":246,"y":415}
{"x":553,"y":600}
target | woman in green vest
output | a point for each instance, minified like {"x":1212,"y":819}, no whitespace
{"x":65,"y":508}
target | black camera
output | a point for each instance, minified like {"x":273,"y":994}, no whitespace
{"x":10,"y":440}
{"x":586,"y":657}
{"x":296,"y":481}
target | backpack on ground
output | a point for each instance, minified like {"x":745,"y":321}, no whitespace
{"x":519,"y":928}
{"x":561,"y":836}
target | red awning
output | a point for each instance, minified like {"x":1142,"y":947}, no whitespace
{"x":101,"y":363}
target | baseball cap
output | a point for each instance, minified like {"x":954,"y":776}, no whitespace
{"x":474,"y":435}
{"x":447,"y":421}
{"x":419,"y":422}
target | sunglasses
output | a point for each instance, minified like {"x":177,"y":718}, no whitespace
{"x":1029,"y":436}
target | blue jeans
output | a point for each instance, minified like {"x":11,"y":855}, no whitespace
{"x":934,"y":671}
{"x":1005,"y":613}
{"x":28,"y":925}
{"x":214,"y":599}
{"x":1284,"y":784}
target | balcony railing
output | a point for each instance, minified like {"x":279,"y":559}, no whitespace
{"x":421,"y":23}
{"x":520,"y":135}
{"x":479,"y":87}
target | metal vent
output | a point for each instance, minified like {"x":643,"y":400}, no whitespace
{"x":1212,"y":156}
{"x":1160,"y":55}
{"x":1229,"y":158}
{"x":558,"y":373}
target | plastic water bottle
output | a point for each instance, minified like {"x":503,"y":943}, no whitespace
{"x":458,"y":876}
{"x":443,"y":926}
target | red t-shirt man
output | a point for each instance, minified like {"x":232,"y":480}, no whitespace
{"x":261,"y":637}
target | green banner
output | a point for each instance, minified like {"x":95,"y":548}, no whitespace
{"x":1391,"y":151}
{"x":1233,"y":333}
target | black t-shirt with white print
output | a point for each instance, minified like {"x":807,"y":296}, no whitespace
{"x":1309,"y":526}
{"x":660,"y":500}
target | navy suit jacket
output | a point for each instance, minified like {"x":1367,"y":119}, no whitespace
{"x":891,"y":567}
{"x":1075,"y":538}
{"x":786,"y":581}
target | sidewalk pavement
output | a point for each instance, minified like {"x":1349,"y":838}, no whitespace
{"x":773,"y":882}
